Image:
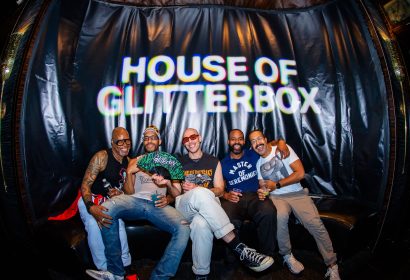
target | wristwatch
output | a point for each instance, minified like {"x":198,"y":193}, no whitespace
{"x":278,"y":185}
{"x":88,"y":205}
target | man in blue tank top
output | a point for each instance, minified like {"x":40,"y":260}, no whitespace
{"x":240,"y":200}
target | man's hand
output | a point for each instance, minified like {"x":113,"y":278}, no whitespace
{"x":114,"y":192}
{"x":160,"y":180}
{"x":162,"y":201}
{"x":262,"y":194}
{"x":265,"y":187}
{"x":132,"y":166}
{"x":232,"y":196}
{"x":97,"y":211}
{"x":187,"y":186}
{"x":282,"y":148}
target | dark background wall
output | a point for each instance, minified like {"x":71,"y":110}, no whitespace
{"x":78,"y":50}
{"x":16,"y":233}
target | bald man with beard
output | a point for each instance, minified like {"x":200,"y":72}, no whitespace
{"x":200,"y":205}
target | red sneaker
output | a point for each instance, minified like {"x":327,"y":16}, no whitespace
{"x":131,"y":277}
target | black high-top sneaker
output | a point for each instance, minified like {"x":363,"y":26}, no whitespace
{"x":256,"y":261}
{"x":201,"y":277}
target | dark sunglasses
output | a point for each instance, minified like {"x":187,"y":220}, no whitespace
{"x":122,"y":142}
{"x":192,"y":137}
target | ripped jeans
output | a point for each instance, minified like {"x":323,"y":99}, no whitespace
{"x":168,"y":219}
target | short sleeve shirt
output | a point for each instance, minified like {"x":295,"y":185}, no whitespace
{"x":241,"y":173}
{"x":274,"y":168}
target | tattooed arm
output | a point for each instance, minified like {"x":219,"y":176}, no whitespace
{"x":97,"y":164}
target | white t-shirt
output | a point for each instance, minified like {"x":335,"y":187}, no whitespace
{"x":144,"y":186}
{"x":274,"y":168}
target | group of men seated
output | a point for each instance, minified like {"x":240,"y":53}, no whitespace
{"x":260,"y":184}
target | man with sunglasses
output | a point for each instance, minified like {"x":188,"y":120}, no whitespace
{"x":240,"y":199}
{"x":137,"y":204}
{"x":200,"y":205}
{"x":107,"y":167}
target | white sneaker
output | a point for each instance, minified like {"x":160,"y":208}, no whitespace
{"x":103,"y":275}
{"x":293,"y":264}
{"x":333,"y":273}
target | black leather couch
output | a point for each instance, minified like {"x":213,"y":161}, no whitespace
{"x":349,"y":224}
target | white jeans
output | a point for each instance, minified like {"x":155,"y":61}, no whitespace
{"x":203,"y":210}
{"x":95,"y":241}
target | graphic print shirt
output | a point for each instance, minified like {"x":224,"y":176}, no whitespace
{"x":274,"y":168}
{"x":200,"y":172}
{"x":241,"y":173}
{"x":144,"y":187}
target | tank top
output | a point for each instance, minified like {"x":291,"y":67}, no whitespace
{"x":144,"y":186}
{"x":114,"y":173}
{"x":206,"y":165}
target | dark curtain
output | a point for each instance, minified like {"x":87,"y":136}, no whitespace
{"x":328,"y":102}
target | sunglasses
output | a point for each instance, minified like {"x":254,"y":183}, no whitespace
{"x":192,"y":137}
{"x":122,"y":142}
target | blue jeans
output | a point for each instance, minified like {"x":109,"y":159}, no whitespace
{"x":95,"y":241}
{"x":168,"y":219}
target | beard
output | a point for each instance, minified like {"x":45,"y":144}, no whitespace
{"x":151,"y":148}
{"x":234,"y":150}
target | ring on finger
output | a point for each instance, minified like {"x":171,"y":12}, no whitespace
{"x":102,"y":220}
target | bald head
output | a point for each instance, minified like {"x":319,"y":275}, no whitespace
{"x":236,"y":131}
{"x":192,"y":141}
{"x":120,"y":142}
{"x":189,"y":131}
{"x":116,"y":132}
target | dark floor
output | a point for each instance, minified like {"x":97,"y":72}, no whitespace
{"x":364,"y":265}
{"x":391,"y":262}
